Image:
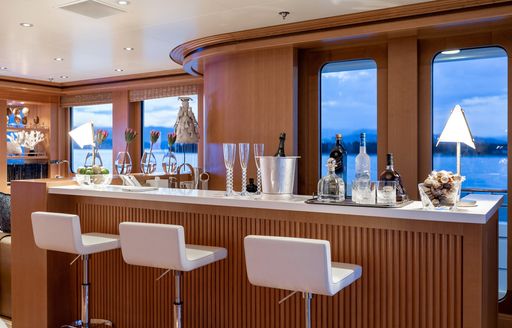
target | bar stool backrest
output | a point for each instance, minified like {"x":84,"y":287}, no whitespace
{"x":296,"y":264}
{"x":153,"y":245}
{"x":57,"y":232}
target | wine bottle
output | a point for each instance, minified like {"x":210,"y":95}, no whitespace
{"x":339,"y":153}
{"x":389,"y":174}
{"x":280,"y":150}
{"x":362,"y":180}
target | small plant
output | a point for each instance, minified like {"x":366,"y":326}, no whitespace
{"x":100,"y":136}
{"x":171,"y":139}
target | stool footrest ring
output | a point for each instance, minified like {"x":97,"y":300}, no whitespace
{"x":92,"y":323}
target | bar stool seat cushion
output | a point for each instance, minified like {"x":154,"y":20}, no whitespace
{"x":61,"y":232}
{"x":95,"y":242}
{"x":296,"y":264}
{"x":140,"y":240}
{"x":198,"y":255}
{"x":344,"y":274}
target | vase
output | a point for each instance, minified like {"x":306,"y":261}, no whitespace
{"x":123,"y":163}
{"x":91,"y":160}
{"x":148,"y":162}
{"x":169,"y":163}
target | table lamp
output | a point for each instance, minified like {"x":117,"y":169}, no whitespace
{"x":83,"y":135}
{"x":457,"y":130}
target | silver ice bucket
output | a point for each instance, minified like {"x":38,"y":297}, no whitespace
{"x":278,"y":174}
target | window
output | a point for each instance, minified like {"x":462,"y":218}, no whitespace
{"x":101,"y":116}
{"x":476,"y":79}
{"x":348,"y":105}
{"x":160,"y":114}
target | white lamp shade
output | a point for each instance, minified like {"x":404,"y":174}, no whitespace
{"x":457,"y":129}
{"x":83,"y":135}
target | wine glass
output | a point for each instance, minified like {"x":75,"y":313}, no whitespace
{"x":229,"y":150}
{"x":258,"y":152}
{"x":244,"y":153}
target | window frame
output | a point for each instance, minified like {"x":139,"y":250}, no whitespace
{"x":310,"y":64}
{"x":429,"y":48}
{"x":319,"y":156}
{"x":70,"y":122}
{"x":200,"y":155}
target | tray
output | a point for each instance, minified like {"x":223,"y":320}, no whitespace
{"x":349,"y":202}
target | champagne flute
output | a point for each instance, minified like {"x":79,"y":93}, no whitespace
{"x":258,"y":152}
{"x":229,"y":150}
{"x":244,"y":153}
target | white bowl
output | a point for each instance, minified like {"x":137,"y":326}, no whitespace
{"x":93,"y":179}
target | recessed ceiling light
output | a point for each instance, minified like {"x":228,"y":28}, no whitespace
{"x":123,"y":2}
{"x":119,"y":70}
{"x":451,"y":52}
{"x":26,"y":24}
{"x":3,"y":68}
{"x":64,"y":77}
{"x":129,"y":48}
{"x":58,"y":59}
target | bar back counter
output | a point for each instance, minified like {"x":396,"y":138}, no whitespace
{"x":420,"y":268}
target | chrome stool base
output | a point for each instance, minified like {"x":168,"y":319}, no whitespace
{"x":92,"y":323}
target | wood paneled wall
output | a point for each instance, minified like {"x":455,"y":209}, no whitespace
{"x":415,"y":273}
{"x":402,"y":119}
{"x":249,"y":97}
{"x":3,"y":151}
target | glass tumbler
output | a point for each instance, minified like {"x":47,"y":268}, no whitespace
{"x":386,"y":192}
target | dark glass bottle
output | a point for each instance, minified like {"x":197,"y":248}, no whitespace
{"x":251,"y":187}
{"x":339,"y":153}
{"x":389,"y":174}
{"x":280,"y":150}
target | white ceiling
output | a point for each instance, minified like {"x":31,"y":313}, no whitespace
{"x":93,"y":48}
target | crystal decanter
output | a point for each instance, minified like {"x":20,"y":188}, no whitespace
{"x":331,"y":187}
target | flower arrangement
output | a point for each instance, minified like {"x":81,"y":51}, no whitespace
{"x":129,"y":135}
{"x":147,"y":165}
{"x":100,"y":136}
{"x":124,"y":160}
{"x":171,"y":139}
{"x":154,"y":135}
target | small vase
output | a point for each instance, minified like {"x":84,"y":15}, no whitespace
{"x":91,"y":160}
{"x":169,"y":163}
{"x":148,"y":162}
{"x":123,"y":163}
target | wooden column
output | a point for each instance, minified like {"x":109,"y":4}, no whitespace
{"x":124,"y":115}
{"x":403,"y":109}
{"x":3,"y":152}
{"x":248,"y":97}
{"x":43,"y":296}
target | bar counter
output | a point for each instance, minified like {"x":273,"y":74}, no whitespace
{"x":420,"y":268}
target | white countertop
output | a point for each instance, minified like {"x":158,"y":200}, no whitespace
{"x":487,"y":205}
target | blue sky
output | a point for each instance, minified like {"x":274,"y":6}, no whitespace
{"x":349,"y":95}
{"x":479,"y":86}
{"x":348,"y":98}
{"x":158,"y":112}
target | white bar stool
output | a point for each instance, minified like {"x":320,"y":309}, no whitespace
{"x":61,"y":232}
{"x":297,"y":264}
{"x":163,"y":246}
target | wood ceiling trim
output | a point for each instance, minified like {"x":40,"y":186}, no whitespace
{"x":14,"y":85}
{"x":181,"y":52}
